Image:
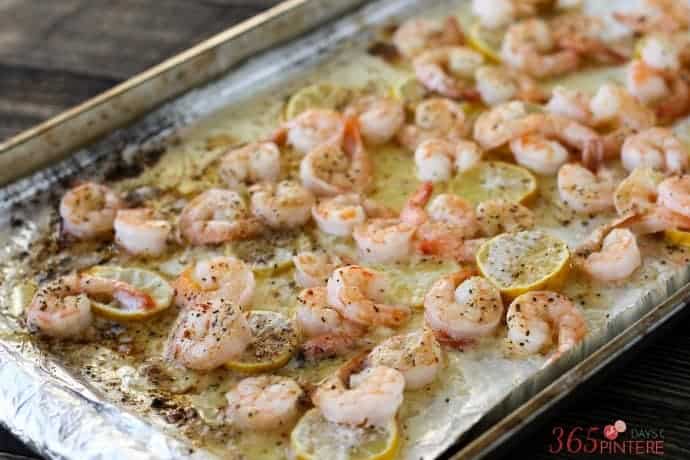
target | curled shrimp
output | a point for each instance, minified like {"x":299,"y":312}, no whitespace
{"x":500,"y":124}
{"x":500,"y":216}
{"x":657,"y":148}
{"x":208,"y":335}
{"x":438,"y":159}
{"x":536,"y":318}
{"x":379,"y":118}
{"x":340,"y":214}
{"x":585,"y":191}
{"x":284,"y":205}
{"x":584,"y":34}
{"x":327,"y":332}
{"x":530,"y":47}
{"x":88,"y":210}
{"x":384,"y":240}
{"x":313,"y":268}
{"x":312,"y":129}
{"x":140,"y":232}
{"x":461,"y":307}
{"x":358,"y":294}
{"x":60,"y":308}
{"x":674,"y":194}
{"x":496,"y":85}
{"x":225,"y":277}
{"x":538,"y":154}
{"x":255,"y":162}
{"x":372,"y":397}
{"x":655,"y":16}
{"x":494,"y":14}
{"x":434,"y":118}
{"x":570,"y":103}
{"x":645,"y":83}
{"x":417,"y":35}
{"x":617,"y":259}
{"x":416,"y":355}
{"x":264,"y":403}
{"x":333,"y":169}
{"x":216,"y":216}
{"x":448,"y":71}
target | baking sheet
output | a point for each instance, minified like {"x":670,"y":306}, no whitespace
{"x":66,"y":419}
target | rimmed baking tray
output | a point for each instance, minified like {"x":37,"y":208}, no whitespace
{"x":64,"y":418}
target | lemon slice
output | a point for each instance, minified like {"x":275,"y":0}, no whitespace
{"x":146,"y":281}
{"x":408,"y":283}
{"x":314,"y":437}
{"x":317,"y":96}
{"x":486,"y":41}
{"x":270,"y":254}
{"x":409,"y":91}
{"x":677,"y":237}
{"x":525,"y":261}
{"x":274,"y":342}
{"x":637,"y":192}
{"x":494,"y":180}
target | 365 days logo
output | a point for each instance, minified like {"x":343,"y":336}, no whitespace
{"x":613,"y":439}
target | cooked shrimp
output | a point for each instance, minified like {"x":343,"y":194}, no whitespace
{"x":536,"y":318}
{"x":222,"y":277}
{"x":216,"y":216}
{"x":461,"y":307}
{"x":371,"y":398}
{"x":327,"y":332}
{"x":617,"y":259}
{"x":529,"y":46}
{"x":358,"y":294}
{"x":454,"y":210}
{"x":284,"y":205}
{"x":584,"y":191}
{"x":500,"y":124}
{"x":500,"y":216}
{"x":88,"y":210}
{"x":334,"y":169}
{"x":60,"y":308}
{"x":494,"y":14}
{"x":379,"y":118}
{"x":313,"y":268}
{"x":645,"y":83}
{"x":497,"y":86}
{"x":255,"y":162}
{"x":448,"y":71}
{"x":570,"y":103}
{"x":663,"y":52}
{"x":312,"y":129}
{"x":434,"y":118}
{"x":384,"y":240}
{"x":538,"y":154}
{"x":438,"y":159}
{"x":584,"y":34}
{"x":657,"y":148}
{"x":341,"y":214}
{"x":416,"y":355}
{"x":656,"y":16}
{"x":264,"y":403}
{"x":417,"y":35}
{"x":674,"y":194}
{"x":208,"y":335}
{"x":140,"y":232}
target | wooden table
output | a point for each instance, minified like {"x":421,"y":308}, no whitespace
{"x":56,"y":53}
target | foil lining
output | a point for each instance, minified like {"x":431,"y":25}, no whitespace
{"x":63,"y":418}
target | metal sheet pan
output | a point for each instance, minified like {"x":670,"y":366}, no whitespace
{"x":36,"y":392}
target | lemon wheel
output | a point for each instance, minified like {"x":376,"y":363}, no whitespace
{"x":316,"y":96}
{"x":495,"y":180}
{"x":678,"y":237}
{"x":314,"y":437}
{"x":486,"y":41}
{"x":409,"y":283}
{"x":271,"y":253}
{"x":410,"y":91}
{"x":149,"y":282}
{"x":524,"y":261}
{"x":274,"y":342}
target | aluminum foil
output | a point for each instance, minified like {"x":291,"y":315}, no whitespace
{"x":61,"y":416}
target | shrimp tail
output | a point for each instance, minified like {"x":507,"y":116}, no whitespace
{"x":452,"y":31}
{"x":593,"y":154}
{"x":279,"y":136}
{"x":327,"y":346}
{"x":413,"y":212}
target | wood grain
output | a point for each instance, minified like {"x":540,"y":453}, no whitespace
{"x":57,"y":53}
